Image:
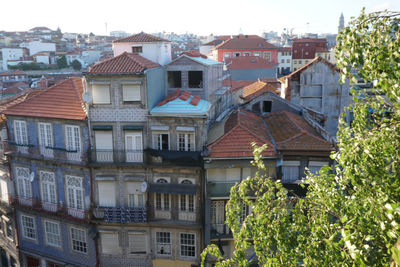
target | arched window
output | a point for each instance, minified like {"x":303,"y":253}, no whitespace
{"x":162,"y":199}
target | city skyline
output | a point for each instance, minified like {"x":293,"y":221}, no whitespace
{"x":208,"y":18}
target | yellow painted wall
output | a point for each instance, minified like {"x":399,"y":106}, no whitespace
{"x":171,"y":263}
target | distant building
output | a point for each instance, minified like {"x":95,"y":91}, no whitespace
{"x":284,"y":60}
{"x":146,"y":45}
{"x":119,"y":34}
{"x":304,"y":50}
{"x":35,"y":47}
{"x":341,"y":23}
{"x":251,"y":68}
{"x":12,"y":53}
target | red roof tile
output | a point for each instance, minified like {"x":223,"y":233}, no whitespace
{"x":61,"y":101}
{"x":241,"y":129}
{"x":193,"y":53}
{"x":241,"y":42}
{"x":310,"y":40}
{"x":250,"y":62}
{"x":236,"y":85}
{"x":141,"y":38}
{"x":195,"y":100}
{"x":185,"y":96}
{"x":257,"y":88}
{"x":292,"y":132}
{"x":272,"y":81}
{"x":126,"y":63}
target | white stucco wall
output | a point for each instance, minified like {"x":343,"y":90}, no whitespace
{"x":159,"y":52}
{"x":11,"y":54}
{"x":36,"y":47}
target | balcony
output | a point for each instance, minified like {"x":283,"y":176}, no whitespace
{"x":121,"y":214}
{"x":44,"y":153}
{"x":147,"y":156}
{"x":220,"y":230}
{"x":219,"y":189}
{"x":60,"y":210}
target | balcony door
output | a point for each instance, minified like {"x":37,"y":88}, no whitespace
{"x":133,"y":147}
{"x":46,"y":139}
{"x":104,"y":146}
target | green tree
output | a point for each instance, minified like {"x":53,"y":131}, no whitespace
{"x":62,"y":62}
{"x":351,"y":213}
{"x":76,"y":65}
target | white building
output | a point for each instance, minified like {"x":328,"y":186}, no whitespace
{"x":284,"y":60}
{"x":146,"y":45}
{"x":38,"y":46}
{"x":11,"y":54}
{"x":119,"y":34}
{"x":90,"y":56}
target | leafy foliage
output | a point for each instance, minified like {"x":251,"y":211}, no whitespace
{"x":62,"y":62}
{"x":76,"y":65}
{"x":351,"y":214}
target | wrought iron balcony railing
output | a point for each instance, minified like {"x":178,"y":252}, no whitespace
{"x":121,"y":214}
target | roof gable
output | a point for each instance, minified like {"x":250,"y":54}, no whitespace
{"x":61,"y":101}
{"x":243,"y":42}
{"x":141,"y":37}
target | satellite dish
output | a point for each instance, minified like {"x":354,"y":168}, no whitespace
{"x":31,"y":177}
{"x":143,"y":187}
{"x":87,"y":97}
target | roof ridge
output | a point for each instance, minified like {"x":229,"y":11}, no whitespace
{"x":131,"y":57}
{"x":78,"y":92}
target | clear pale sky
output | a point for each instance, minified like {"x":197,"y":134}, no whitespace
{"x":200,"y":17}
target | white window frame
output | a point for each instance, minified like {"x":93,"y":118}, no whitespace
{"x":75,"y":192}
{"x":45,"y":134}
{"x":73,"y":138}
{"x":159,"y":244}
{"x":268,"y":56}
{"x":101,"y":99}
{"x":290,"y":163}
{"x":181,"y":245}
{"x":157,"y":140}
{"x":20,"y":132}
{"x":163,"y":197}
{"x":83,"y":240}
{"x":48,"y":235}
{"x":48,"y":186}
{"x":187,"y":203}
{"x":188,"y":145}
{"x":227,"y":55}
{"x":128,"y":97}
{"x":134,"y":233}
{"x":24,"y":185}
{"x":256,"y":54}
{"x":25,"y":227}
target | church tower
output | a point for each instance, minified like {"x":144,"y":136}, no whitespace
{"x":341,"y":23}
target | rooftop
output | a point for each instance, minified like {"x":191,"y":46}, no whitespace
{"x":296,"y":74}
{"x":62,"y":101}
{"x":126,"y":63}
{"x":245,"y":42}
{"x":141,"y":38}
{"x":249,"y":62}
{"x":257,"y":88}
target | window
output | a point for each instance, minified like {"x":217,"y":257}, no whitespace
{"x":162,"y":199}
{"x":137,"y":243}
{"x":236,"y":54}
{"x":188,"y":245}
{"x":131,"y":92}
{"x":282,"y":61}
{"x":256,"y":54}
{"x":267,"y":106}
{"x":23,"y":182}
{"x":161,"y":141}
{"x":287,"y":60}
{"x":74,"y":192}
{"x":107,"y":194}
{"x":48,"y":185}
{"x":290,"y":171}
{"x":187,"y":201}
{"x":256,"y":107}
{"x":45,"y":134}
{"x":28,"y":227}
{"x":109,"y":243}
{"x":137,"y":49}
{"x":104,"y":146}
{"x":195,"y":79}
{"x":218,"y":217}
{"x":227,"y":55}
{"x":295,"y":61}
{"x":10,"y":230}
{"x":52,"y":231}
{"x":134,"y":147}
{"x":186,"y":141}
{"x":267,"y":56}
{"x":163,"y":243}
{"x":21,"y":136}
{"x":78,"y":240}
{"x":136,"y":200}
{"x":246,"y":54}
{"x":306,"y":53}
{"x":174,"y":79}
{"x":73,"y":138}
{"x":3,"y":190}
{"x":315,"y":166}
{"x":101,"y":93}
{"x":300,"y":62}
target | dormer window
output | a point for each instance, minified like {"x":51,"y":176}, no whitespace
{"x":137,"y":49}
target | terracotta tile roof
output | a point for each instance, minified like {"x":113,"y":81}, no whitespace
{"x":19,"y":72}
{"x":291,"y":132}
{"x":241,"y":129}
{"x":309,"y":40}
{"x":257,"y":88}
{"x":141,"y":38}
{"x":11,"y":101}
{"x":222,"y":38}
{"x":285,"y":49}
{"x":126,"y":63}
{"x":272,"y":81}
{"x":61,"y":101}
{"x":241,"y":42}
{"x":250,"y":62}
{"x":40,"y":29}
{"x":321,"y":50}
{"x":193,"y":53}
{"x":296,"y":74}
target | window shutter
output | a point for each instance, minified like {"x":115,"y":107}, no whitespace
{"x":103,"y":140}
{"x":4,"y":190}
{"x":110,"y":243}
{"x":131,"y":92}
{"x":106,"y":194}
{"x":101,"y":93}
{"x":137,"y":243}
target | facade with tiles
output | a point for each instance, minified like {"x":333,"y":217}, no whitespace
{"x":52,"y":193}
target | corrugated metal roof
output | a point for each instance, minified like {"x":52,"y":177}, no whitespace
{"x":205,"y":61}
{"x":182,"y":107}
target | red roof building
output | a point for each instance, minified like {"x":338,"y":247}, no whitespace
{"x":303,"y":50}
{"x":141,"y":38}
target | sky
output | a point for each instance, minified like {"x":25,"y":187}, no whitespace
{"x":202,"y":17}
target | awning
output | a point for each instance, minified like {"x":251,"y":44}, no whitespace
{"x":102,"y":127}
{"x":132,"y":127}
{"x":176,"y":189}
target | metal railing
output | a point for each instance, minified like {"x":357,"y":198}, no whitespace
{"x":61,"y":210}
{"x":220,"y":230}
{"x":121,"y":214}
{"x":44,"y":152}
{"x":117,"y":156}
